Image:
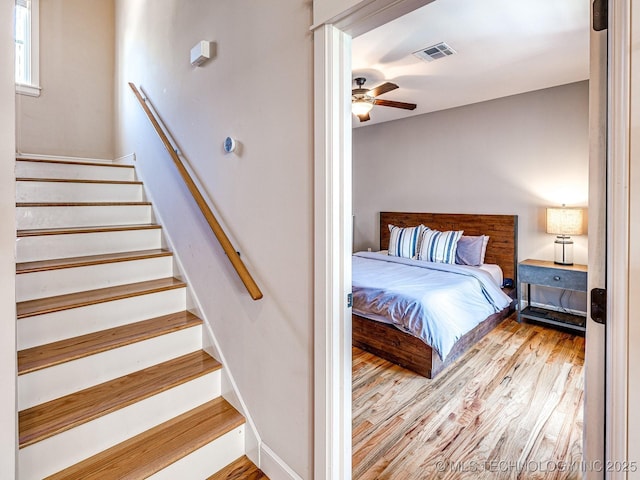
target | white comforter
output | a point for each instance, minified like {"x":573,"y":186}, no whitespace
{"x":436,"y":302}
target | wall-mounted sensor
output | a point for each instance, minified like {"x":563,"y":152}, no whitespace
{"x":200,"y":53}
{"x":229,"y":144}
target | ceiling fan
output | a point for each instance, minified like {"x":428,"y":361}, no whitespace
{"x":363,"y":99}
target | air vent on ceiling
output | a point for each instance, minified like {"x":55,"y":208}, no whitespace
{"x":434,"y":52}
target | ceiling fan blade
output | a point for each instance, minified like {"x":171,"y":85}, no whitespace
{"x":364,"y":117}
{"x":391,"y":103}
{"x":384,"y":88}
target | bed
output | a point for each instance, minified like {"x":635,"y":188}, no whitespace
{"x":392,"y":342}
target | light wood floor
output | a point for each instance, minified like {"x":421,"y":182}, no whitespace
{"x":510,"y":408}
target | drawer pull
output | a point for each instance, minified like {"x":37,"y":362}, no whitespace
{"x":556,"y":278}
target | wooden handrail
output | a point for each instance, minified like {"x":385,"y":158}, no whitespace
{"x":234,"y":257}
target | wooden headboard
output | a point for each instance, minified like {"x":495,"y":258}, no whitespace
{"x":502,"y":230}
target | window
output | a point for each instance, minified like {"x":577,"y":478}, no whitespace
{"x":26,"y":30}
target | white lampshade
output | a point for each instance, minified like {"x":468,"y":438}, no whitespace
{"x":361,"y":106}
{"x":565,"y":221}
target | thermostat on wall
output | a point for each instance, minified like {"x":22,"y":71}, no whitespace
{"x":229,"y":144}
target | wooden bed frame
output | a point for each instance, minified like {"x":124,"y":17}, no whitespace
{"x":404,"y":349}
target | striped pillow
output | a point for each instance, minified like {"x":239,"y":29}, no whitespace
{"x":403,"y":241}
{"x":438,"y":246}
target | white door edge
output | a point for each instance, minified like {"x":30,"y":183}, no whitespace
{"x":617,"y":366}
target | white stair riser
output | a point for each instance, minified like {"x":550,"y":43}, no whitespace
{"x":47,"y":247}
{"x":28,"y":191}
{"x":55,"y":326}
{"x":53,"y":454}
{"x":72,"y":171}
{"x":53,"y":382}
{"x":208,"y":459}
{"x":81,"y":216}
{"x":49,"y":283}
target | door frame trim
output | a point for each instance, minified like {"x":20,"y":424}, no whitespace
{"x":332,"y":267}
{"x":332,"y":159}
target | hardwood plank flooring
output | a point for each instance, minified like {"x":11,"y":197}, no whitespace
{"x":106,"y":163}
{"x":241,"y":469}
{"x":75,"y":230}
{"x":82,"y":204}
{"x":510,"y":408}
{"x":58,"y":303}
{"x":50,"y":418}
{"x":147,"y":453}
{"x":78,"y":180}
{"x":71,"y":262}
{"x":44,"y":356}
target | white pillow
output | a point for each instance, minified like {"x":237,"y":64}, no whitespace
{"x":438,"y":246}
{"x":485,"y":242}
{"x":403,"y":241}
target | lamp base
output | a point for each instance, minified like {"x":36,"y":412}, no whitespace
{"x":563,"y":250}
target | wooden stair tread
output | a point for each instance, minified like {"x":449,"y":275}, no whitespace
{"x":54,"y":264}
{"x":73,"y":230}
{"x":56,"y":416}
{"x":43,"y":356}
{"x":82,"y":204}
{"x":153,"y":450}
{"x":241,"y":469}
{"x":78,"y":180}
{"x":80,"y":299}
{"x":72,"y":162}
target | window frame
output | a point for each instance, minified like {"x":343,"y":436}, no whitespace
{"x":32,"y":87}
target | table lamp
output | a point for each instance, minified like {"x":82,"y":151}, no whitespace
{"x":563,"y":222}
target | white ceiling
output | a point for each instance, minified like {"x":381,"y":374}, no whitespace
{"x":504,"y":47}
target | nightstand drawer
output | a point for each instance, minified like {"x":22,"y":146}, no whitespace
{"x":553,"y":277}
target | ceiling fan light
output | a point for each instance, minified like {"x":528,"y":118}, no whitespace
{"x":361,"y":106}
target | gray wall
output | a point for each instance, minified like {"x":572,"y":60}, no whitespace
{"x":257,"y":89}
{"x":514,"y":155}
{"x":73,"y":116}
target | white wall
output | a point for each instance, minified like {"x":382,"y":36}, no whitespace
{"x":73,"y":115}
{"x":515,"y":155}
{"x":8,"y":432}
{"x":258,"y":89}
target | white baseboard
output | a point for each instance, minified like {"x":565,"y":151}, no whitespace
{"x":274,"y":467}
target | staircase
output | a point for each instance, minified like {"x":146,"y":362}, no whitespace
{"x":112,"y":379}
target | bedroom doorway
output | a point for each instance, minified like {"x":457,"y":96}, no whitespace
{"x":333,"y":212}
{"x":377,"y":183}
